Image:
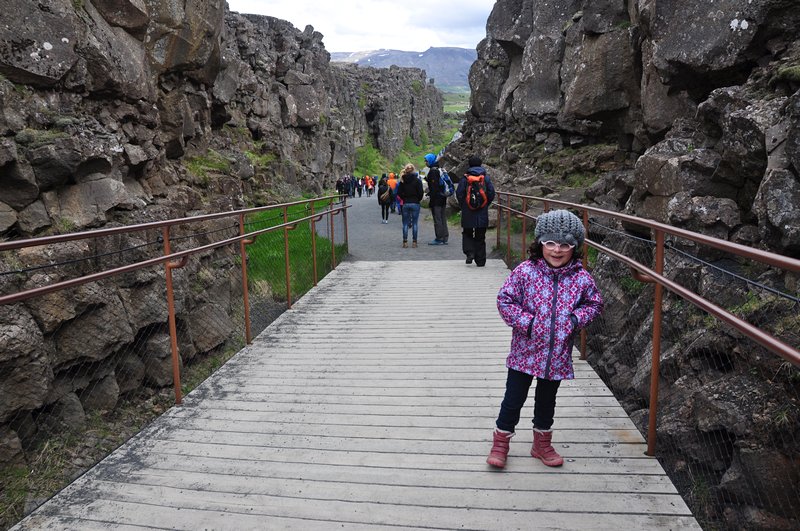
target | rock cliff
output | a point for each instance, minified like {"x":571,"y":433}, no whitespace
{"x":686,"y":113}
{"x":103,"y":103}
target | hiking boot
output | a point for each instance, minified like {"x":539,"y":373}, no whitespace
{"x":436,"y":242}
{"x":469,"y":258}
{"x":405,"y":245}
{"x":414,"y":244}
{"x":499,"y":452}
{"x":542,"y":449}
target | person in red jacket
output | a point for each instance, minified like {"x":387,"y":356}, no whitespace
{"x":546,"y":300}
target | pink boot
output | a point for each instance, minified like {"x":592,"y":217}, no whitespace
{"x":542,"y":449}
{"x":499,"y":453}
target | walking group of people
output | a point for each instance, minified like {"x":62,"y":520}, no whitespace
{"x":546,"y":300}
{"x":351,"y":186}
{"x":405,"y":194}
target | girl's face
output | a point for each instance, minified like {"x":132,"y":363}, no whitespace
{"x":557,"y":254}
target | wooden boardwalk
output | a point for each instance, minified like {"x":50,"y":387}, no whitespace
{"x":370,"y":405}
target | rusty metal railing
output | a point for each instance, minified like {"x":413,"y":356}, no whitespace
{"x":335,"y":205}
{"x":654,"y":275}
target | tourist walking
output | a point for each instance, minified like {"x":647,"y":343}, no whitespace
{"x":545,"y":300}
{"x":385,"y":198}
{"x":438,"y":201}
{"x":410,"y":193}
{"x":475,"y":194}
{"x":392,"y":182}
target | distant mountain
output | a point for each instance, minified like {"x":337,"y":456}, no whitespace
{"x":449,"y":67}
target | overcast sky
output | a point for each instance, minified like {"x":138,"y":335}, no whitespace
{"x":359,"y":25}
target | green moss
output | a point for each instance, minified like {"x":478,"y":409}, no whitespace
{"x":581,"y":180}
{"x":789,"y":73}
{"x":260,"y":160}
{"x":34,"y":138}
{"x":416,"y":87}
{"x":202,"y":166}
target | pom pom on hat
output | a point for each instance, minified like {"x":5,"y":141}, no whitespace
{"x":559,"y":226}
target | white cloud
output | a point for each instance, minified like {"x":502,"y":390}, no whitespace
{"x":358,"y":25}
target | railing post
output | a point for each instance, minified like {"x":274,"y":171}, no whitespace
{"x":245,"y":290}
{"x":173,"y":328}
{"x":655,"y":366}
{"x":524,"y":226}
{"x":314,"y":242}
{"x":508,"y":231}
{"x":344,"y":219}
{"x":585,"y":266}
{"x":499,"y":217}
{"x":286,"y":258}
{"x":333,"y":238}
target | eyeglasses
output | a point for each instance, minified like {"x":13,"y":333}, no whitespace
{"x":553,"y":246}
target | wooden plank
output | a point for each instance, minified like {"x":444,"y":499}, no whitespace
{"x":520,"y":459}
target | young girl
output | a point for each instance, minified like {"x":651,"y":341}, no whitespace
{"x":545,"y":300}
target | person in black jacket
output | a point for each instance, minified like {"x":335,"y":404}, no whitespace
{"x":474,"y":222}
{"x":438,"y":201}
{"x":385,"y":198}
{"x":410,"y":190}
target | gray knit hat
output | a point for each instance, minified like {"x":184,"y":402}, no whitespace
{"x":559,"y":226}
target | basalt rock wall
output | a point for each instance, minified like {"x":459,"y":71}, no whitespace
{"x":682,"y":99}
{"x":102,"y":102}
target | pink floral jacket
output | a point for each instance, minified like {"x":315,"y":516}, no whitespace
{"x":545,"y":307}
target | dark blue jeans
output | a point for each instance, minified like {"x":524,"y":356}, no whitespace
{"x":544,"y":401}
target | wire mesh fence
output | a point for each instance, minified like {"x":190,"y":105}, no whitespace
{"x":82,"y":369}
{"x":727,"y":415}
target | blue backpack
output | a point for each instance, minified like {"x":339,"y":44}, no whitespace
{"x":445,"y":184}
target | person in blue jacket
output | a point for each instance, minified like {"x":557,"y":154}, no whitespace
{"x":474,"y":222}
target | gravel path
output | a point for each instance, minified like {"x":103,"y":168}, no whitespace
{"x":370,"y":240}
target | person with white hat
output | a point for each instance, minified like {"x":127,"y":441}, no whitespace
{"x":546,"y":300}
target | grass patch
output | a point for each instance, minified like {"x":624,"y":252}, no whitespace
{"x":203,"y":165}
{"x":631,"y":286}
{"x":260,"y":160}
{"x":789,"y":73}
{"x":266,"y":254}
{"x":457,"y":103}
{"x":34,"y":138}
{"x":581,"y":180}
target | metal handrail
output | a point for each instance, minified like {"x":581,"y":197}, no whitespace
{"x":171,"y":257}
{"x":58,"y":238}
{"x":176,"y":260}
{"x":645,"y":274}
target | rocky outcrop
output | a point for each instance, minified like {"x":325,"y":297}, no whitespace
{"x":686,"y":113}
{"x":124,"y":111}
{"x":705,"y":108}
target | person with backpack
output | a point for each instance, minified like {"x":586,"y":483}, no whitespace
{"x":545,"y":300}
{"x":385,"y":198}
{"x":410,"y":193}
{"x":392,"y":182}
{"x":439,"y":189}
{"x":475,"y":194}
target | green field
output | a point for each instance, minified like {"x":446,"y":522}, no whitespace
{"x":456,"y":102}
